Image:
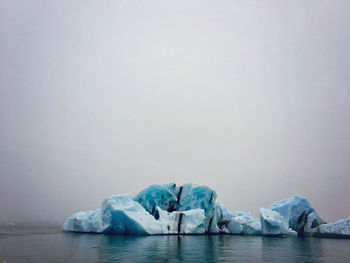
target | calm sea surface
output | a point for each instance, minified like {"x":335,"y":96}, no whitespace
{"x":46,"y":243}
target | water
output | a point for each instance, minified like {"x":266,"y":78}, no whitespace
{"x":46,"y":243}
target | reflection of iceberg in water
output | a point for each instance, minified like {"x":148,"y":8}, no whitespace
{"x":191,"y":209}
{"x":182,"y":248}
{"x":72,"y":247}
{"x":210,"y":248}
{"x":275,"y":249}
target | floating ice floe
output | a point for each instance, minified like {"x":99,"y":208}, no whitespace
{"x":289,"y":217}
{"x":341,"y":229}
{"x":192,"y":209}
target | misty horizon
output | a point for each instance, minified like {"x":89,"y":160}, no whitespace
{"x":103,"y":98}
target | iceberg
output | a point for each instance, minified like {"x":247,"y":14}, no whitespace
{"x":291,"y":216}
{"x":85,"y":222}
{"x":218,"y":219}
{"x":193,"y":209}
{"x":120,"y":214}
{"x":299,"y":214}
{"x":338,"y":229}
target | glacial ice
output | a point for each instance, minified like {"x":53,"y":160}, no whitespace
{"x":85,"y":222}
{"x":291,"y":216}
{"x":164,"y":196}
{"x":298,"y":212}
{"x":313,"y":220}
{"x":192,"y":209}
{"x":239,"y":223}
{"x":340,"y":228}
{"x":185,"y":222}
{"x":274,"y":224}
{"x":123,"y":215}
{"x":170,"y":197}
{"x":120,"y":214}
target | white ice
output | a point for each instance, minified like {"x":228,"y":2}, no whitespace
{"x":273,"y":224}
{"x":192,"y":209}
{"x":292,"y":209}
{"x":338,"y":228}
{"x":120,"y":214}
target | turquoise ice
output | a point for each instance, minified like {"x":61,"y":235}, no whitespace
{"x":193,"y":209}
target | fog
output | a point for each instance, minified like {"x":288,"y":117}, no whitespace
{"x":251,"y":98}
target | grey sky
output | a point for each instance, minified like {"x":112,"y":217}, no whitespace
{"x":105,"y":97}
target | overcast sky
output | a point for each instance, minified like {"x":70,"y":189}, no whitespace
{"x":251,"y":98}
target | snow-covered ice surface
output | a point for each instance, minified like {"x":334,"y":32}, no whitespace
{"x":192,"y":209}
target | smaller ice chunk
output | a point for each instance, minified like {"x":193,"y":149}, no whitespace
{"x":274,"y":224}
{"x":85,"y":222}
{"x":295,"y":211}
{"x":340,"y":228}
{"x":239,"y":223}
